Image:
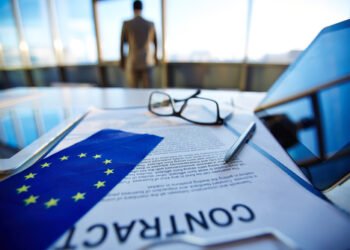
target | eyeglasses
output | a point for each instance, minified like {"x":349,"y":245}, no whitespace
{"x":162,"y":104}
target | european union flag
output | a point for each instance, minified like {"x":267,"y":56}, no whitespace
{"x":42,"y":202}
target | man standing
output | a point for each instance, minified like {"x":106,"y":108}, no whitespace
{"x":139,"y":34}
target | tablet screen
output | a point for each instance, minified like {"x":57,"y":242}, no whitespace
{"x":307,"y":109}
{"x":325,"y":60}
{"x":22,"y":124}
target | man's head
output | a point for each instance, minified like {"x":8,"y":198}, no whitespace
{"x":137,"y":7}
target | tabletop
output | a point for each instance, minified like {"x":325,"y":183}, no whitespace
{"x":27,"y":114}
{"x":31,"y":117}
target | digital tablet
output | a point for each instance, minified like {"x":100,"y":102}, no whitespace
{"x":307,"y":109}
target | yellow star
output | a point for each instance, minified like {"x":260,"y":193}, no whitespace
{"x":109,"y":171}
{"x":82,"y":155}
{"x":52,"y":202}
{"x":97,"y":156}
{"x":78,"y":196}
{"x":45,"y":165}
{"x":30,"y":176}
{"x":22,"y":189}
{"x":64,"y":158}
{"x":30,"y":200}
{"x":107,"y":162}
{"x":100,"y":184}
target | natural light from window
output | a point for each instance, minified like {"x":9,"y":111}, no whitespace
{"x":196,"y":30}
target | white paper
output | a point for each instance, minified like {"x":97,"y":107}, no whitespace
{"x":183,"y":189}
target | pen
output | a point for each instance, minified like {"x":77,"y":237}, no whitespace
{"x":237,"y":146}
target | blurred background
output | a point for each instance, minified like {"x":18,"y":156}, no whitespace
{"x":214,"y":44}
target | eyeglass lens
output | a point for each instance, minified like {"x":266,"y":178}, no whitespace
{"x":200,"y":110}
{"x":195,"y":110}
{"x":160,"y":104}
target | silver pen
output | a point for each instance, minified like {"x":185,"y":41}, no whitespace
{"x":237,"y":146}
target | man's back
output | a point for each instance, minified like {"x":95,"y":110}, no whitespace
{"x":139,"y":34}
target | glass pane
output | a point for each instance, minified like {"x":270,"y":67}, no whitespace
{"x":111,"y":15}
{"x":9,"y":43}
{"x":51,"y":117}
{"x":8,"y":134}
{"x":280,"y":30}
{"x":200,"y":110}
{"x":160,"y":104}
{"x":314,"y":130}
{"x":335,"y":124}
{"x":206,"y":30}
{"x":36,"y":31}
{"x":28,"y":126}
{"x":24,"y":123}
{"x":75,"y":19}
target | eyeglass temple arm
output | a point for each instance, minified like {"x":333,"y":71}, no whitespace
{"x":198,"y":91}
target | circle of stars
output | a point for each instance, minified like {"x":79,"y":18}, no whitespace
{"x":53,"y":202}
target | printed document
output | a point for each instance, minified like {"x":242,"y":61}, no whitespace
{"x":183,"y":190}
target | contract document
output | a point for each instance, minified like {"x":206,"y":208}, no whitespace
{"x":183,"y":191}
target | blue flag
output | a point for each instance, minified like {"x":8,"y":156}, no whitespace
{"x":39,"y":204}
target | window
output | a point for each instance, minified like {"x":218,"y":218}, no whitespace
{"x":206,"y":30}
{"x":36,"y":31}
{"x":197,"y":30}
{"x":76,"y":28}
{"x":282,"y":29}
{"x":9,"y":43}
{"x":112,"y":14}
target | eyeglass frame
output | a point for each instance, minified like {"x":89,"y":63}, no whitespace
{"x":219,"y":120}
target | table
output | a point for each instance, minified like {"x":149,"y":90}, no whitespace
{"x":31,"y":117}
{"x":32,"y":112}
